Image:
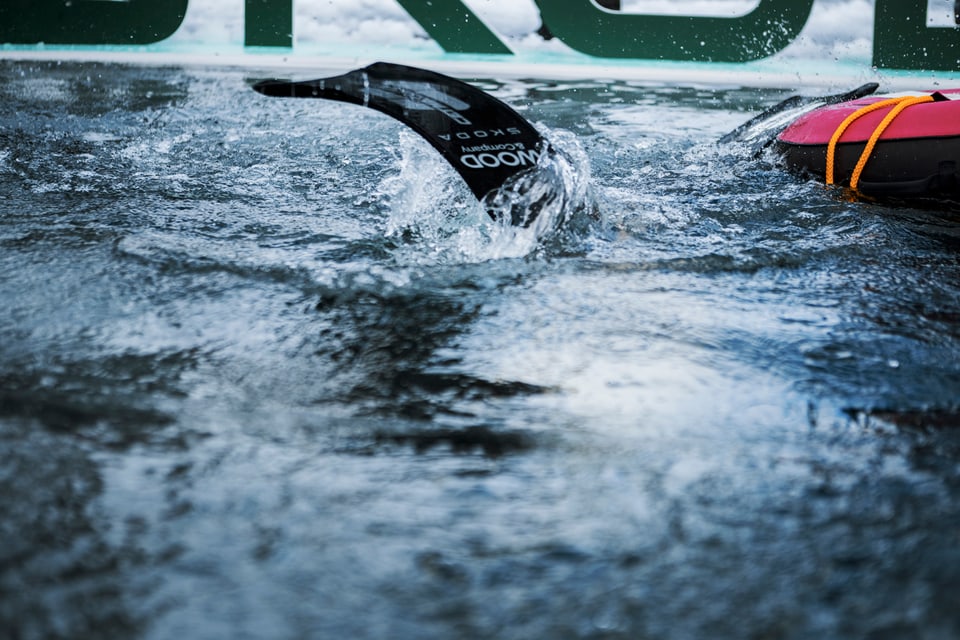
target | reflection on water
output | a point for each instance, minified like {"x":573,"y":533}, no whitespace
{"x":266,"y":369}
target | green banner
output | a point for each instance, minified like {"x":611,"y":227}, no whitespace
{"x":455,"y":27}
{"x":902,"y":38}
{"x":596,"y":31}
{"x":131,"y":22}
{"x":268,"y":23}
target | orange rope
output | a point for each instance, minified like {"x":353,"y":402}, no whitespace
{"x":899,"y":104}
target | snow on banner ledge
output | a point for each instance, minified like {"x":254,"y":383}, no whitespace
{"x":789,"y":37}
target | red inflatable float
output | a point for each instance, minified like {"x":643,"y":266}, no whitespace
{"x":904,"y":145}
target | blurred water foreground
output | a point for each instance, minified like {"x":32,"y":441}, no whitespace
{"x":266,"y":370}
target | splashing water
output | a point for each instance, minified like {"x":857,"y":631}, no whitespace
{"x":544,"y":198}
{"x":429,"y":203}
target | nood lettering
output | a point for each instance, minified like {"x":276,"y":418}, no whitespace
{"x":490,"y":160}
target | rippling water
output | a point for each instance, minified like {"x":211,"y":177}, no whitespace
{"x":266,"y":370}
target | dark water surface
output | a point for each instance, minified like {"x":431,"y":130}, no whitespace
{"x":266,"y":371}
